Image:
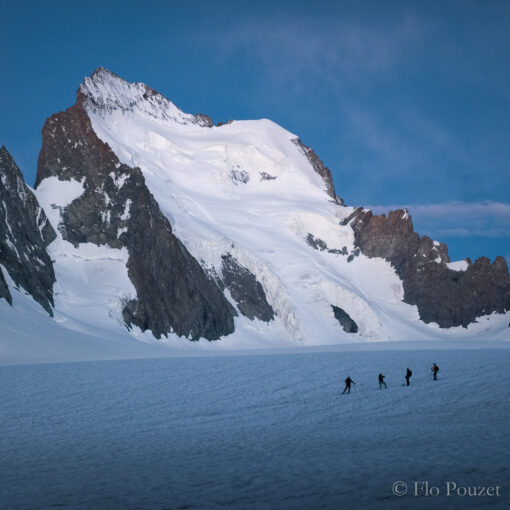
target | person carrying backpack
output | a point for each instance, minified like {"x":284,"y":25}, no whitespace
{"x":435,"y":370}
{"x":408,"y":376}
{"x":381,"y":381}
{"x":348,"y":383}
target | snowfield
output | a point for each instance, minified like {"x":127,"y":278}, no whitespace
{"x":29,"y":335}
{"x":256,"y":432}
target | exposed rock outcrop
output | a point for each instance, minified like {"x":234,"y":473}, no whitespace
{"x":204,"y":120}
{"x":239,"y":176}
{"x":321,"y":245}
{"x":4,"y":289}
{"x":348,"y":325}
{"x":220,"y":123}
{"x":442,"y":295}
{"x":25,"y":232}
{"x":246,"y":290}
{"x":319,"y":167}
{"x":316,"y":243}
{"x":117,"y":209}
{"x":264,"y":176}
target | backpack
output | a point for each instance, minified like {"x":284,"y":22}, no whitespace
{"x":410,"y":373}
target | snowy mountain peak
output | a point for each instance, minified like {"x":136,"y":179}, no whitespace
{"x":105,"y":92}
{"x":155,"y":224}
{"x":252,"y":184}
{"x":248,"y":158}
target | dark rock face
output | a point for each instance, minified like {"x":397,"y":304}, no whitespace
{"x":319,"y":244}
{"x":203,"y":120}
{"x":220,"y":123}
{"x":25,"y":232}
{"x":117,"y":209}
{"x":264,"y":176}
{"x":239,"y":176}
{"x":442,"y":295}
{"x":246,"y":291}
{"x":345,"y":320}
{"x":316,"y":243}
{"x":319,"y":167}
{"x":4,"y":289}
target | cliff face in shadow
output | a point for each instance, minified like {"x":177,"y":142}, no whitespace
{"x":25,"y":232}
{"x":442,"y":295}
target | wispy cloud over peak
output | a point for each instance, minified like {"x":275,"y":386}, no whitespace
{"x":333,"y":50}
{"x":457,"y":219}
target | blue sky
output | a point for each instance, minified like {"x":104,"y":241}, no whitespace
{"x":408,"y":103}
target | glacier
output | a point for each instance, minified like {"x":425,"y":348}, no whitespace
{"x":256,"y":432}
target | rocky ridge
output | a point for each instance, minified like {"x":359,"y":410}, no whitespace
{"x":25,"y":232}
{"x":443,"y":295}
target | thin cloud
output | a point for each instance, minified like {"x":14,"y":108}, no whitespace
{"x":331,"y":51}
{"x":485,"y":208}
{"x":457,"y":219}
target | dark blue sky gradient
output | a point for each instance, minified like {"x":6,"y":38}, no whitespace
{"x":406,"y":102}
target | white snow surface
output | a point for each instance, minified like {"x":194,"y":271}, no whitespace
{"x":243,"y":188}
{"x":459,"y":265}
{"x":256,"y":432}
